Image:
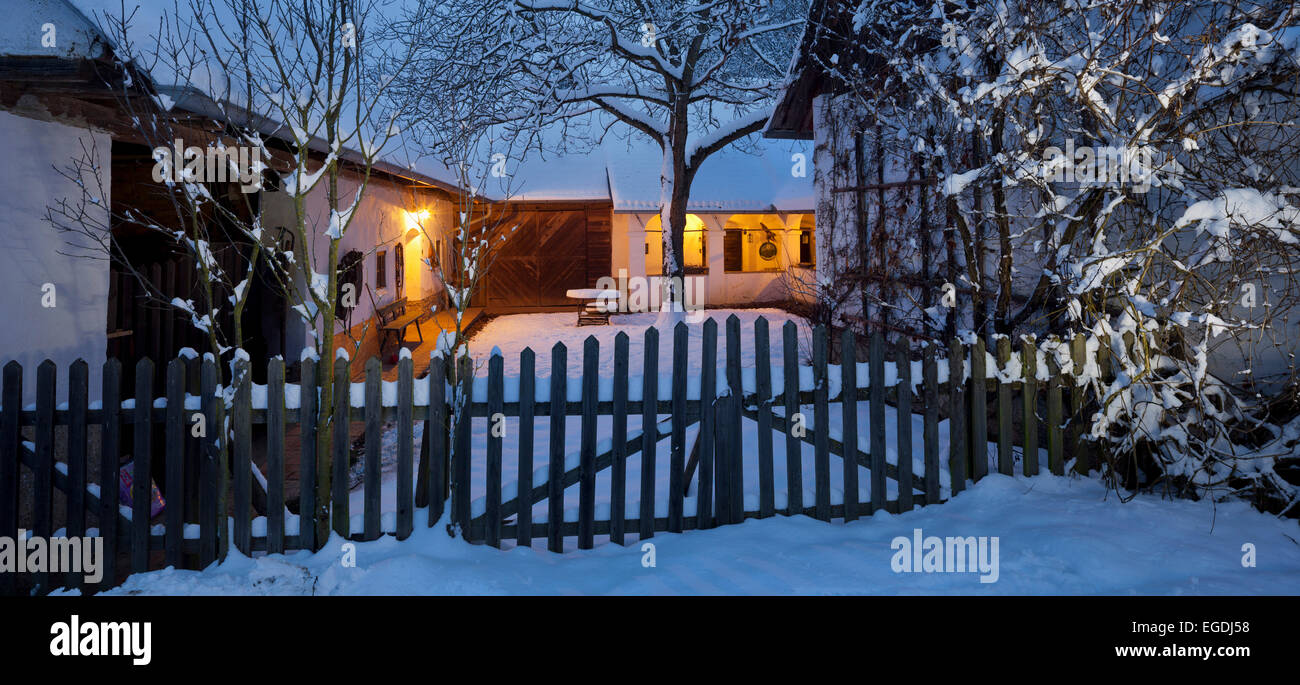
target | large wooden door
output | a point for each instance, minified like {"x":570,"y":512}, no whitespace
{"x":541,"y":260}
{"x":512,"y":276}
{"x":561,"y":255}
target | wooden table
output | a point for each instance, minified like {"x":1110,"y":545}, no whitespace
{"x":594,"y":300}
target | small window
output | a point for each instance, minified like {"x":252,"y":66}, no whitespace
{"x":381,"y":269}
{"x":749,"y":245}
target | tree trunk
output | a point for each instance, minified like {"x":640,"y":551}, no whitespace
{"x":675,"y":194}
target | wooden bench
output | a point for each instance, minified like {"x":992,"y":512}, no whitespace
{"x":592,"y":312}
{"x":396,"y":316}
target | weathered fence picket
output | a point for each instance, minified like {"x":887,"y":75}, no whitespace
{"x":405,"y":447}
{"x":340,"y":507}
{"x":790,"y":394}
{"x":75,"y":497}
{"x":876,"y":369}
{"x":704,"y":501}
{"x":10,"y":472}
{"x":979,"y":412}
{"x":1006,"y":460}
{"x":174,"y":483}
{"x":495,"y":436}
{"x":822,"y":425}
{"x":677,"y":445}
{"x":43,"y":475}
{"x":587,"y":450}
{"x":763,"y":386}
{"x":141,"y":461}
{"x":649,"y":419}
{"x":555,"y":476}
{"x":736,"y":441}
{"x":957,"y":450}
{"x":275,"y":456}
{"x":930,"y":431}
{"x":849,"y":412}
{"x":438,"y":424}
{"x":903,"y":364}
{"x":1029,"y":425}
{"x":618,"y":469}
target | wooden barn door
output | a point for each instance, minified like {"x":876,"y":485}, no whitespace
{"x":512,"y":277}
{"x":561,"y":255}
{"x":543,"y":259}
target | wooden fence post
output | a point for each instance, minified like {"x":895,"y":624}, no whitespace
{"x":11,"y":437}
{"x":958,"y":454}
{"x":618,"y":469}
{"x":108,"y":460}
{"x":1029,"y":368}
{"x":736,"y":441}
{"x":143,"y":438}
{"x":43,"y":474}
{"x":1055,"y":451}
{"x":405,"y":447}
{"x":436,"y":427}
{"x":649,"y":434}
{"x":879,"y":493}
{"x":822,"y":423}
{"x":903,"y":366}
{"x":496,"y":433}
{"x":677,"y":446}
{"x":340,"y":506}
{"x":78,"y":407}
{"x":763,"y":387}
{"x":308,"y":408}
{"x":1006,"y":460}
{"x":555,"y":468}
{"x":527,"y":414}
{"x":790,"y":395}
{"x":979,"y":411}
{"x":930,"y":430}
{"x":461,"y":455}
{"x":174,"y":458}
{"x":587,"y":445}
{"x":1079,"y":399}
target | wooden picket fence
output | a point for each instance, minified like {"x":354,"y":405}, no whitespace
{"x":216,"y":507}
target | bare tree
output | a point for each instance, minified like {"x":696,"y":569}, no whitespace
{"x":692,"y":78}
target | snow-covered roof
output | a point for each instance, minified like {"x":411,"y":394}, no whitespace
{"x":759,"y":176}
{"x":732,"y":179}
{"x":31,"y":24}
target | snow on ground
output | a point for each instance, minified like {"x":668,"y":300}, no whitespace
{"x":1057,"y":535}
{"x":511,"y":334}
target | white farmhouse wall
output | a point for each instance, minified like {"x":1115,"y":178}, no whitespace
{"x":384,"y":219}
{"x":721,"y":288}
{"x":36,"y":254}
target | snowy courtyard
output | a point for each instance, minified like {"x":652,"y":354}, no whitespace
{"x":1057,"y":535}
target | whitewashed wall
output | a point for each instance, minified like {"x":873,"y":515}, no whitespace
{"x":721,"y":288}
{"x":31,"y":255}
{"x":383,"y":220}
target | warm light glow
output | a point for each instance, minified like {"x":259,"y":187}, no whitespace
{"x":415,"y":223}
